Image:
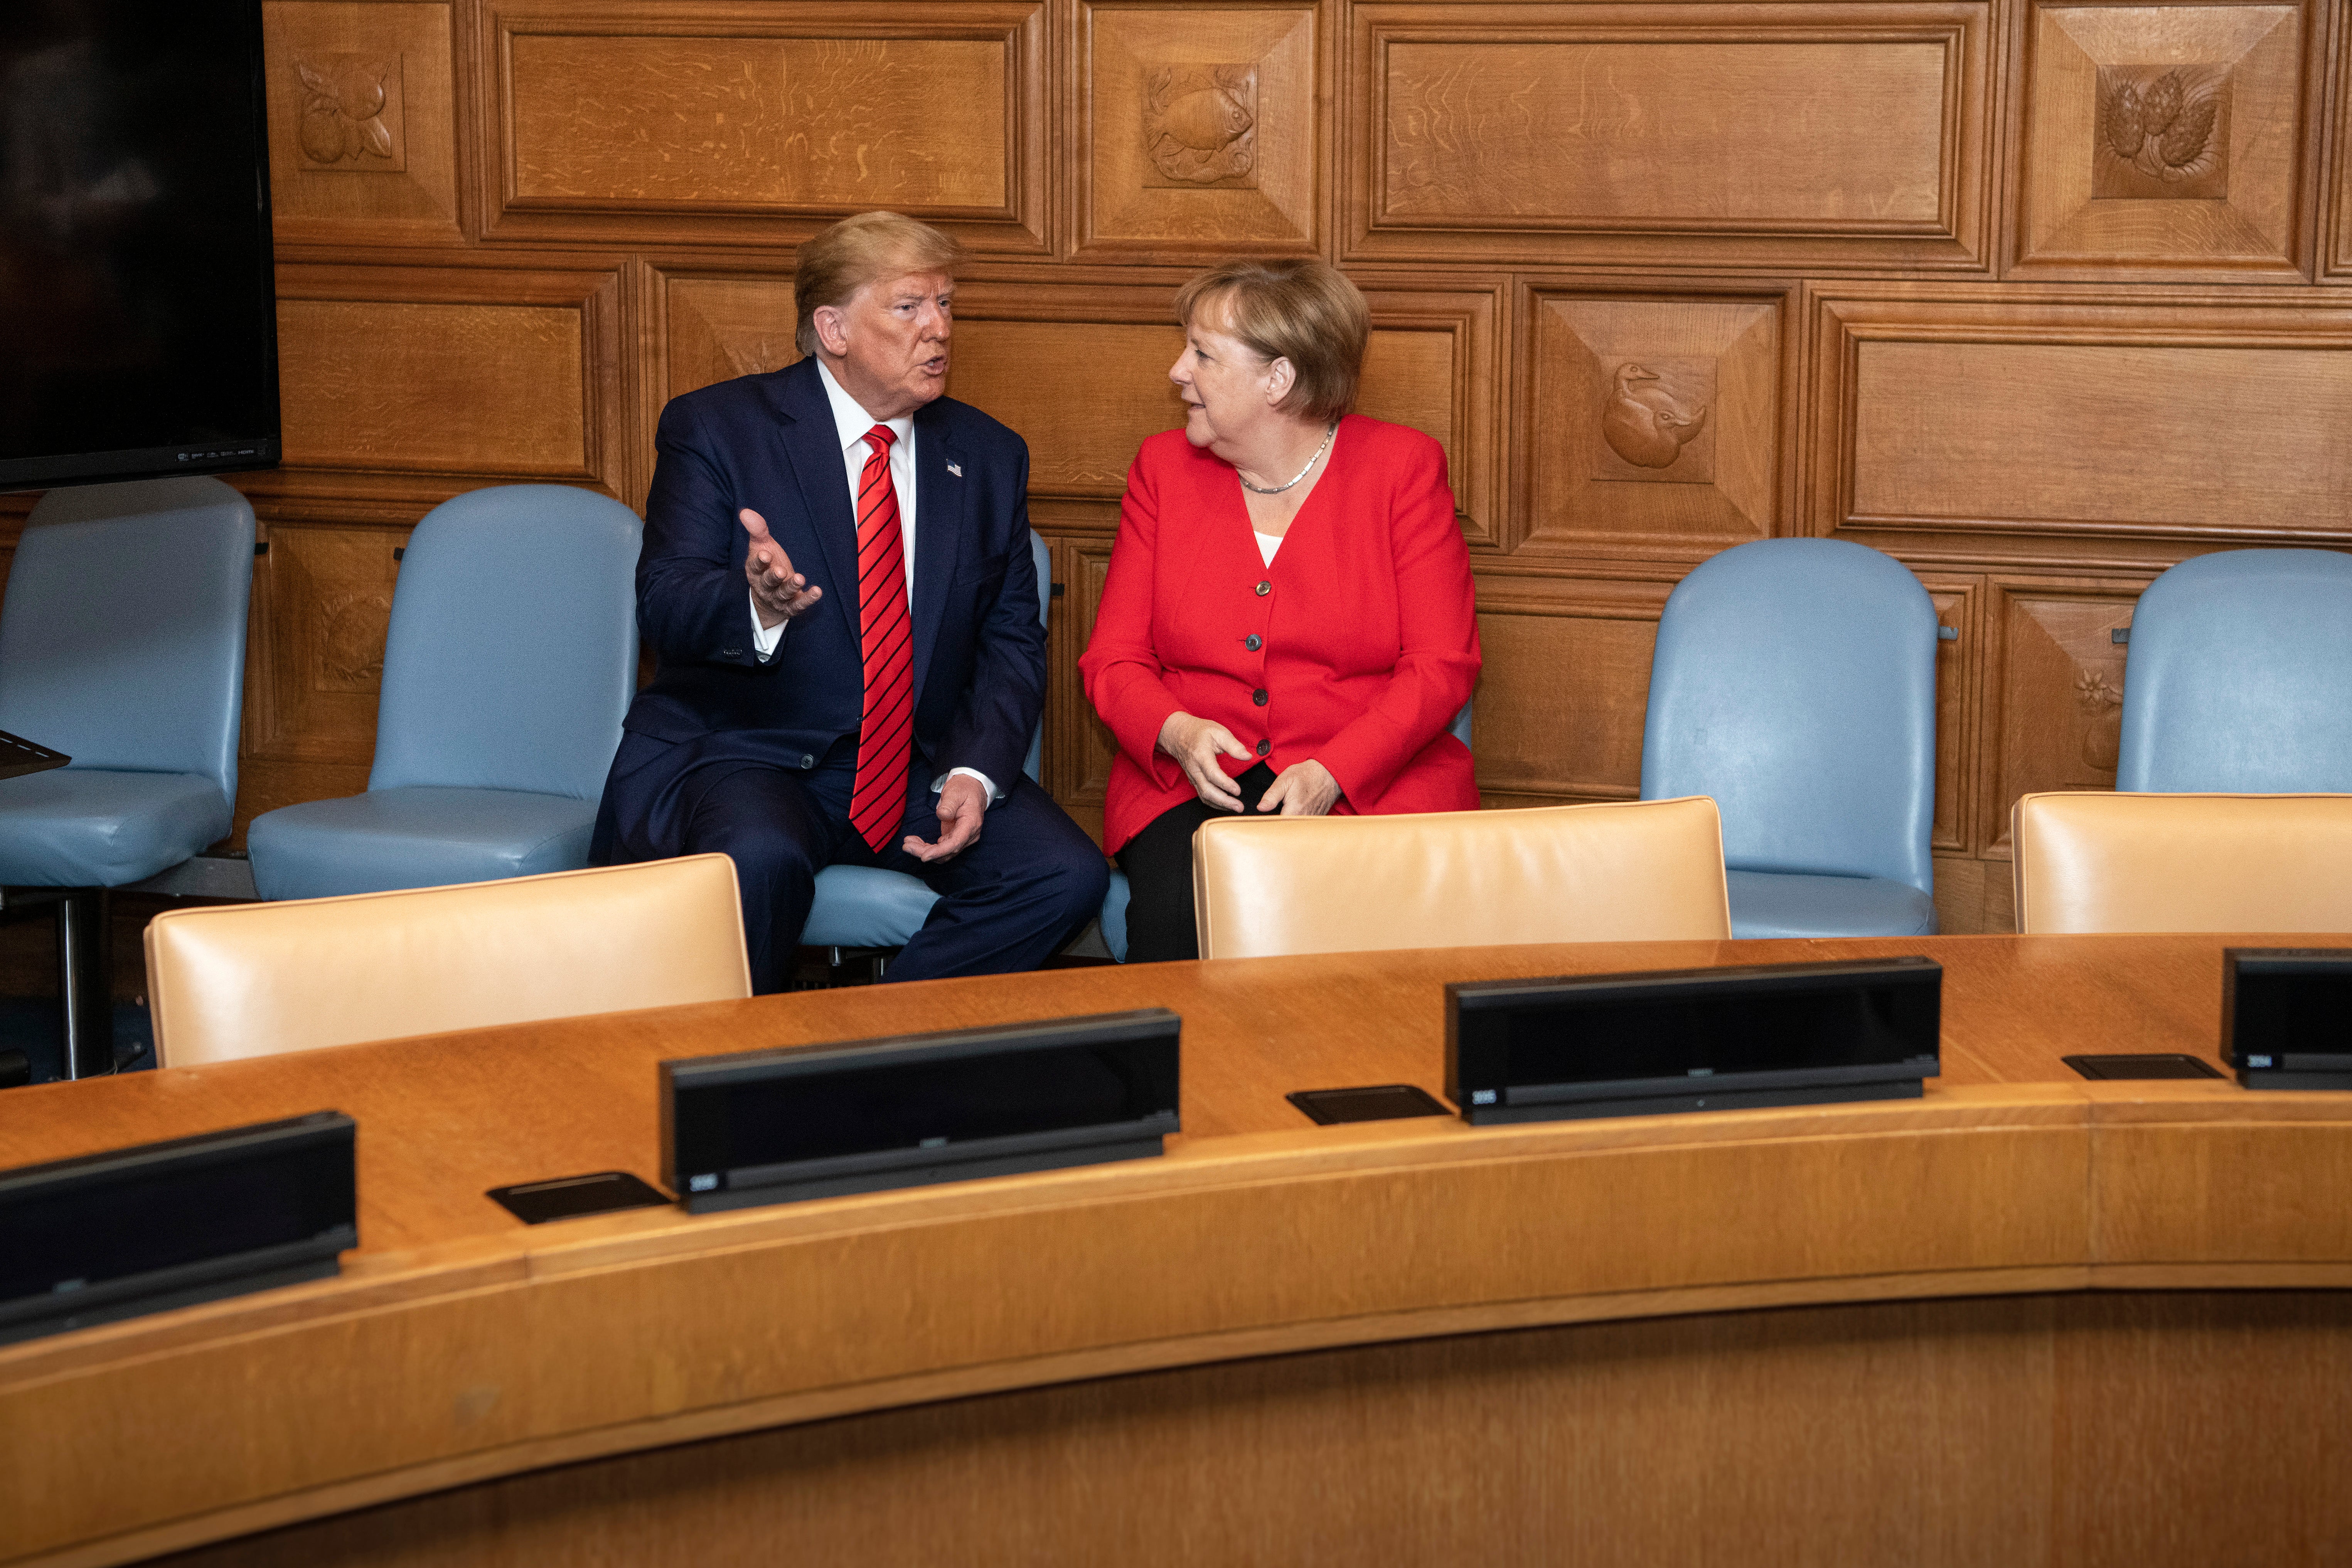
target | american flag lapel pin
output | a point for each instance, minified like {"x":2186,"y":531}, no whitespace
{"x":955,"y":468}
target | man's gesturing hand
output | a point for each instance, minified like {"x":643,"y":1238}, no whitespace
{"x":777,"y":590}
{"x":962,"y":803}
{"x":1196,"y":744}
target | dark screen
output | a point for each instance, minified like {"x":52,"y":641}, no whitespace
{"x":902,"y":1105}
{"x":1733,"y":1033}
{"x":2306,"y":1009}
{"x":179,"y":1209}
{"x":1768,"y":1019}
{"x":136,"y":310}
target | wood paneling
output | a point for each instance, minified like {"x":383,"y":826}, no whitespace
{"x":1081,"y":373}
{"x":746,"y":122}
{"x":1944,"y":1435}
{"x":1567,"y":680}
{"x":1959,"y":607}
{"x":2171,"y":140}
{"x":2082,"y":416}
{"x":1199,"y":137}
{"x":322,"y":601}
{"x":1651,"y":426}
{"x":1434,"y":363}
{"x":1658,"y":133}
{"x":2056,"y":689}
{"x":444,"y":373}
{"x":363,"y":122}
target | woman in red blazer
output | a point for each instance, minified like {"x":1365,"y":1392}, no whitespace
{"x":1289,"y":622}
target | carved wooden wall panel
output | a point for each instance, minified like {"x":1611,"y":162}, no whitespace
{"x":1559,"y":703}
{"x":1200,"y":130}
{"x":396,"y":381}
{"x":1651,"y":426}
{"x":2337,"y":261}
{"x":362,"y":121}
{"x":2171,"y":140}
{"x":669,"y":122}
{"x":2054,"y":693}
{"x":2079,"y":418}
{"x":1662,"y":133}
{"x":321,"y":602}
{"x":1958,"y":662}
{"x":1434,"y":363}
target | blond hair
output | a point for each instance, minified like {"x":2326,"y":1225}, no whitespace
{"x":1302,"y":310}
{"x":834,"y":266}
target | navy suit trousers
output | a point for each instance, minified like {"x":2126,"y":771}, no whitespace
{"x":1020,"y":891}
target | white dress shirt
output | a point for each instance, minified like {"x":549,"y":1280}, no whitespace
{"x":850,"y":423}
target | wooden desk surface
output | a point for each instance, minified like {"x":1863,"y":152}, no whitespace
{"x":460,"y":1344}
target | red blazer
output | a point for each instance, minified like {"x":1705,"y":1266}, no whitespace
{"x":1366,"y":627}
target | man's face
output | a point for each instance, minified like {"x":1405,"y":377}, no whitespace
{"x":888,"y":346}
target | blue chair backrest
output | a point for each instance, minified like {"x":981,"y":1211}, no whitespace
{"x":513,"y":653}
{"x":2239,"y":676}
{"x":1043,"y":558}
{"x":122,"y":636}
{"x":1794,"y":682}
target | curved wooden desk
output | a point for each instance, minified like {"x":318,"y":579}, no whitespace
{"x":2027,"y":1318}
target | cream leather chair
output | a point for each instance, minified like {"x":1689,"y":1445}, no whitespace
{"x":1636,"y":871}
{"x":2103,"y":862}
{"x":252,"y":980}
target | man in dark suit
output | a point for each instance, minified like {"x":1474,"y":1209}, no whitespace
{"x":834,"y":687}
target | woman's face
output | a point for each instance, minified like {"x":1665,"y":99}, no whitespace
{"x":1228,"y":391}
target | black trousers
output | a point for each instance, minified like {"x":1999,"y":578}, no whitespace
{"x":1159,"y":866}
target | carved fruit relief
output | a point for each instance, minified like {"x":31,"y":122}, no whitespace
{"x":350,"y":111}
{"x":2163,"y":133}
{"x":1200,"y":125}
{"x":1653,"y":415}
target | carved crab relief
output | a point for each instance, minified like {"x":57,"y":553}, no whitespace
{"x":350,"y":111}
{"x":2163,"y":133}
{"x":1200,"y":126}
{"x":1654,"y":421}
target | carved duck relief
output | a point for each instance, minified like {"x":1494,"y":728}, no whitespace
{"x":1644,"y":423}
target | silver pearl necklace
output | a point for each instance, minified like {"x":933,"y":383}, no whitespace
{"x":1277,"y":489}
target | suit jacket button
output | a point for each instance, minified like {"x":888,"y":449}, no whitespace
{"x":807,"y":761}
{"x":1258,"y":697}
{"x":1263,"y":747}
{"x":1253,"y":642}
{"x":1263,"y":589}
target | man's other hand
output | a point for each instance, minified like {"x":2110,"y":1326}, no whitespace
{"x":779,"y":591}
{"x":962,"y":803}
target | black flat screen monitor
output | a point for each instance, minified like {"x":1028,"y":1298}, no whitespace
{"x":138,"y":317}
{"x":103,"y":1236}
{"x":2286,"y":1016}
{"x":1693,"y":1039}
{"x":810,"y":1122}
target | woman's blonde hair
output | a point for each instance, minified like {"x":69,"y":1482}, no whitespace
{"x":1302,"y":310}
{"x":834,"y":266}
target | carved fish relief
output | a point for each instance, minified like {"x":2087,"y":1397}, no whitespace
{"x":1207,"y":120}
{"x":1198,"y":121}
{"x":1644,"y":423}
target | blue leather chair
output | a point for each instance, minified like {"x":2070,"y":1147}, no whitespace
{"x":865,"y":907}
{"x":2237,"y":676}
{"x":1794,"y":682}
{"x":121,"y":645}
{"x":511,"y":658}
{"x":1115,"y":901}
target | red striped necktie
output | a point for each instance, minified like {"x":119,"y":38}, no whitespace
{"x":887,"y":730}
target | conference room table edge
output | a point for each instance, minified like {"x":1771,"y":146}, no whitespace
{"x":1259,"y":1241}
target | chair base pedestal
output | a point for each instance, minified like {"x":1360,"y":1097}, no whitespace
{"x":85,"y":972}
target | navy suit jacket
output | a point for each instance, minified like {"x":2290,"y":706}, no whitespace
{"x":769,"y":443}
